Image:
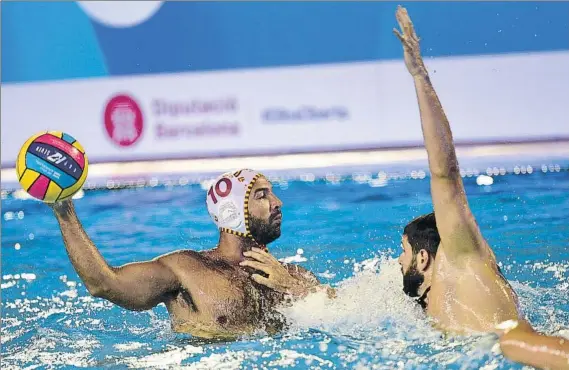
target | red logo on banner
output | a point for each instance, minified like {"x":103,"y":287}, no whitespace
{"x":123,"y":120}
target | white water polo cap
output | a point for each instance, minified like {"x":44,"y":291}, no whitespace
{"x":228,"y":201}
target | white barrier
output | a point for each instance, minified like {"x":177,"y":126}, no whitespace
{"x":293,"y":109}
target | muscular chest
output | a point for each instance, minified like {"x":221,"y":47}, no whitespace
{"x":231,"y":292}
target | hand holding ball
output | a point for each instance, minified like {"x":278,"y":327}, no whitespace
{"x":52,"y":166}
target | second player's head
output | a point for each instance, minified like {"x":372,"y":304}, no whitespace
{"x":420,"y":243}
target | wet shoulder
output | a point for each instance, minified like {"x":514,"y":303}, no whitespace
{"x":189,"y":259}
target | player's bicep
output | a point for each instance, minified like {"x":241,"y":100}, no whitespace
{"x":141,"y":285}
{"x":457,"y":226}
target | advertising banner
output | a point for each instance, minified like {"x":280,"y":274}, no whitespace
{"x":137,"y":80}
{"x":293,"y":109}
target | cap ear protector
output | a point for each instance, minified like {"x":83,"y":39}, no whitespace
{"x":228,"y":201}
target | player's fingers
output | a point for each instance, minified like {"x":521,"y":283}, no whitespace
{"x":412,"y":34}
{"x":256,"y":254}
{"x":263,"y":280}
{"x":256,"y":265}
{"x":268,"y":258}
{"x":400,"y":21}
{"x":404,"y":21}
{"x":399,"y":35}
{"x":409,"y":28}
{"x":263,"y":252}
{"x":403,"y":40}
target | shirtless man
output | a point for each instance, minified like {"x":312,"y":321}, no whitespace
{"x":446,"y":262}
{"x":209,"y":294}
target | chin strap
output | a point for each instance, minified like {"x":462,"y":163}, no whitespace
{"x":423,"y":298}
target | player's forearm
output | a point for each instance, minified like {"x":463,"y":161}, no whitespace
{"x":307,"y":283}
{"x":86,"y":259}
{"x":436,"y":130}
{"x":301,"y":291}
{"x":540,"y":351}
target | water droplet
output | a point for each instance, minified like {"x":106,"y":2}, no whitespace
{"x":484,"y":180}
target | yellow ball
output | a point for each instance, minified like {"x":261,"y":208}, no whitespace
{"x":52,"y":166}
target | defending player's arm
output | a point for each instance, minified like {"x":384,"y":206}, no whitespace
{"x":524,"y":345}
{"x":134,"y":286}
{"x":456,"y":224}
{"x":309,"y":282}
{"x":291,"y":279}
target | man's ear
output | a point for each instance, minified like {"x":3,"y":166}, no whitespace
{"x":423,"y":260}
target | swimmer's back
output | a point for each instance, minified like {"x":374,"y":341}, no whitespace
{"x":471,"y":295}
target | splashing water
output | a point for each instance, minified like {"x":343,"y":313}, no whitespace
{"x":50,"y":321}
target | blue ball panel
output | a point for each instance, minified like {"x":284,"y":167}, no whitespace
{"x":50,"y":171}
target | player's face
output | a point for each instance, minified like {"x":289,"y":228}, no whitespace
{"x":265,"y":212}
{"x":412,"y":277}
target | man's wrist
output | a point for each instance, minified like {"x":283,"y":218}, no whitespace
{"x":62,"y":208}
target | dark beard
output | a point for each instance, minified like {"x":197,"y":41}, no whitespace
{"x":412,"y":280}
{"x":264,"y":232}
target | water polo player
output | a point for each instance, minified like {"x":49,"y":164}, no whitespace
{"x":446,"y":261}
{"x":212,"y":293}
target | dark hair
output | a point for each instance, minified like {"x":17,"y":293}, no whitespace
{"x":422,"y":233}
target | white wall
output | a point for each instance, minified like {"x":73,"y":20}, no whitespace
{"x":372,"y":104}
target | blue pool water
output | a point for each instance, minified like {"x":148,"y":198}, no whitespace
{"x":346,"y":231}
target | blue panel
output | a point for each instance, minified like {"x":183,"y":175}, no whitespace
{"x":56,"y":40}
{"x":202,"y":36}
{"x":68,"y":138}
{"x":49,"y":171}
{"x":48,"y":41}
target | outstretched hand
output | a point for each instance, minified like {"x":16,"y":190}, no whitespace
{"x":410,"y":42}
{"x":278,"y":279}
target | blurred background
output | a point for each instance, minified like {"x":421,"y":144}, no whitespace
{"x":151,"y":81}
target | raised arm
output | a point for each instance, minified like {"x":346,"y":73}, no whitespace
{"x":457,"y":226}
{"x":520,"y":343}
{"x":134,"y":286}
